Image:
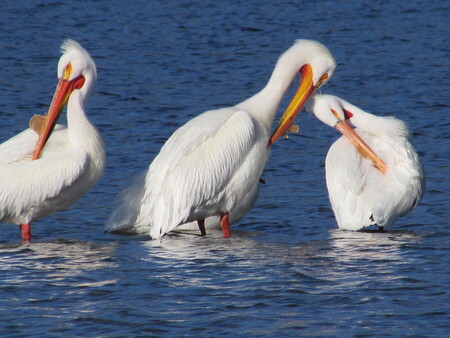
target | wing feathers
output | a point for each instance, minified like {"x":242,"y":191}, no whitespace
{"x":25,"y":184}
{"x":360,"y":195}
{"x":193,"y":168}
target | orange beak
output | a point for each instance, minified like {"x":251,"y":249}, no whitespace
{"x":305,"y":90}
{"x":359,"y":144}
{"x":43,"y":124}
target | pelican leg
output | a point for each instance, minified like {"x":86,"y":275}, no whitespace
{"x":201,"y":226}
{"x":26,"y":232}
{"x":225,"y":224}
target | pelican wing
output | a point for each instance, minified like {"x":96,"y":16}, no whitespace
{"x":348,"y":183}
{"x":25,"y":184}
{"x":18,"y":147}
{"x":403,"y":186}
{"x":21,"y":146}
{"x":194,"y":167}
{"x":127,"y":207}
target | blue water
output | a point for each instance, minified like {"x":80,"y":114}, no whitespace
{"x":287,"y":270}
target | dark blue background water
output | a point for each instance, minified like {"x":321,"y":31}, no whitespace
{"x":286,"y":270}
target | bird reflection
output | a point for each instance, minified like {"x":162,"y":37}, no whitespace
{"x":187,"y":245}
{"x":348,"y":246}
{"x":55,"y":261}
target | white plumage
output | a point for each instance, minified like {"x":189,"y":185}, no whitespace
{"x":360,"y":193}
{"x":211,"y":166}
{"x":71,"y":160}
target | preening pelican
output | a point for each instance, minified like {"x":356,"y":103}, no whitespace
{"x":373,"y":173}
{"x":48,"y":167}
{"x":211,"y":166}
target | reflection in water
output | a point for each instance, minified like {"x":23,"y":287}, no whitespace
{"x":55,"y":261}
{"x":53,"y":282}
{"x":189,"y":245}
{"x":360,"y":261}
{"x":343,"y":262}
{"x":342,"y":247}
{"x":344,"y":271}
{"x":348,"y":246}
{"x":199,"y":282}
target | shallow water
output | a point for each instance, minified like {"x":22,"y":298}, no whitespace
{"x":286,"y":270}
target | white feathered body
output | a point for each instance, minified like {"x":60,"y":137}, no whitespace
{"x":212,"y":163}
{"x":70,"y":164}
{"x":360,"y":194}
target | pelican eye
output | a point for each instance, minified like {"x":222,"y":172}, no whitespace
{"x":67,"y":71}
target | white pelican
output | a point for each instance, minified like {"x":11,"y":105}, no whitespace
{"x":211,"y":166}
{"x":48,"y":167}
{"x":373,"y":173}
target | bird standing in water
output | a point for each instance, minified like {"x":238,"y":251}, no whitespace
{"x":48,"y":167}
{"x":373,"y":173}
{"x":211,"y":166}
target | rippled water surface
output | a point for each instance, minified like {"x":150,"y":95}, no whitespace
{"x":286,"y":270}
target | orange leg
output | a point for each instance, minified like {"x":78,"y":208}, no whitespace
{"x":201,"y":226}
{"x":225,"y":224}
{"x":26,"y":232}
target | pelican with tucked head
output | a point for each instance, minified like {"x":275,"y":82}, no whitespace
{"x":373,"y":173}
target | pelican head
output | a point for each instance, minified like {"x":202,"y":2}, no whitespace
{"x":329,"y":109}
{"x":76,"y":71}
{"x":316,"y":65}
{"x":336,"y":113}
